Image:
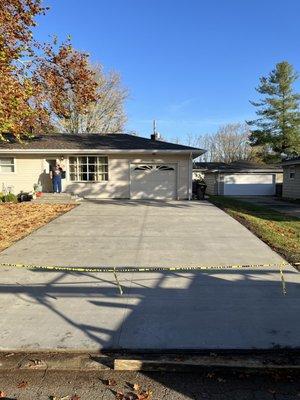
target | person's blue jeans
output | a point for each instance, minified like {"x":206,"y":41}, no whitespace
{"x":57,"y":184}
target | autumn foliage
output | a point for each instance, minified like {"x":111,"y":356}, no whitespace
{"x":67,"y":80}
{"x":37,"y":80}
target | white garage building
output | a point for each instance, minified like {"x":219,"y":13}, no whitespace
{"x":239,"y":178}
{"x":119,"y":166}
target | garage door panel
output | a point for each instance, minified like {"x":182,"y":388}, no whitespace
{"x":249,"y":184}
{"x":153,"y":181}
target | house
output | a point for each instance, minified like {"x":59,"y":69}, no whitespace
{"x":119,"y":166}
{"x":239,"y":178}
{"x":291,"y":178}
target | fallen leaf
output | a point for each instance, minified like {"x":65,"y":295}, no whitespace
{"x":2,"y":394}
{"x":36,"y":362}
{"x":9,"y":355}
{"x":22,"y":385}
{"x":111,"y":382}
{"x":221,"y":380}
{"x":120,"y":396}
{"x":136,"y":387}
{"x":210,"y":375}
{"x":145,"y":395}
{"x":75,"y":397}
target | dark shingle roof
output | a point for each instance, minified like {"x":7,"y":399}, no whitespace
{"x":236,"y":166}
{"x":291,"y":161}
{"x":120,"y":141}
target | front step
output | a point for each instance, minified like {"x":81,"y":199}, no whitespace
{"x":56,"y":198}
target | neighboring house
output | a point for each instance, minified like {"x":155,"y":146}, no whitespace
{"x":103,"y":166}
{"x":239,"y":178}
{"x":291,"y":178}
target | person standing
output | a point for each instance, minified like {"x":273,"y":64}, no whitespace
{"x":56,"y":175}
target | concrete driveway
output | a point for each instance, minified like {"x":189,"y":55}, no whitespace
{"x":130,"y":233}
{"x":228,"y":309}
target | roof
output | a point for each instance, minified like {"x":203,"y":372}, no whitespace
{"x":97,"y":142}
{"x":291,"y":161}
{"x":236,"y":166}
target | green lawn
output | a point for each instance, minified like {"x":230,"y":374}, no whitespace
{"x":279,"y":231}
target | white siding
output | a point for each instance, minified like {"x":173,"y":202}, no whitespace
{"x":31,"y":169}
{"x":28,"y":171}
{"x":291,"y":187}
{"x":210,"y":178}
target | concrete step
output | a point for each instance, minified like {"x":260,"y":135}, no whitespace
{"x":57,"y":198}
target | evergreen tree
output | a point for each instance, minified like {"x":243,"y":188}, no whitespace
{"x":277,"y":127}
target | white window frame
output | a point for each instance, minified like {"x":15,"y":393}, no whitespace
{"x":97,"y":156}
{"x":11,"y":165}
{"x":292,"y":170}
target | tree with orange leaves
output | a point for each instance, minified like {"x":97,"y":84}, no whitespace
{"x":34,"y":88}
{"x":67,"y":81}
{"x":17,"y":18}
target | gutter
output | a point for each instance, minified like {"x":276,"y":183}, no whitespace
{"x":190,"y":176}
{"x":194,"y":154}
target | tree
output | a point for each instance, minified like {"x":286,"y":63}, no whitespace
{"x":278,"y":127}
{"x":67,"y":82}
{"x":17,"y":18}
{"x":106,"y":113}
{"x":40,"y":84}
{"x":230,"y":143}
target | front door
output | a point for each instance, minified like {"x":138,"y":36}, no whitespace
{"x":45,"y":180}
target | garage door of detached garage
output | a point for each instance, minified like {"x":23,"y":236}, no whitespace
{"x":153,"y":181}
{"x":249,"y":185}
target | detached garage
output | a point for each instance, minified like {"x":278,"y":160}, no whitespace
{"x":240,"y":178}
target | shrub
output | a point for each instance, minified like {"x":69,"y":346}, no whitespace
{"x":1,"y":197}
{"x":10,"y":198}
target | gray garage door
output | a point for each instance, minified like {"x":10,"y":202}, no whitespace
{"x":249,"y":185}
{"x":153,"y":181}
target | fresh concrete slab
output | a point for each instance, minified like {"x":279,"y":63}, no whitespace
{"x":133,"y":233}
{"x":240,"y":309}
{"x":159,"y":311}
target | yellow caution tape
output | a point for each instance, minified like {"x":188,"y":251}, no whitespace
{"x":182,"y":268}
{"x":140,"y":269}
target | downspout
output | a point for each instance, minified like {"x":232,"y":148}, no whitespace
{"x":190,"y":176}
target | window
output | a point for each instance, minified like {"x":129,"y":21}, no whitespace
{"x":164,"y":168}
{"x":143,"y":167}
{"x":7,"y":165}
{"x":292,"y":173}
{"x":88,"y":169}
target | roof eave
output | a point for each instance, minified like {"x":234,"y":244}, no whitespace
{"x":290,"y":162}
{"x":248,"y":170}
{"x":194,"y":153}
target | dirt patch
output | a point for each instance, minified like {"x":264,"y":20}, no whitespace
{"x":19,"y":220}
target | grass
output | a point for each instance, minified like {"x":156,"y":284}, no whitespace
{"x":279,"y":231}
{"x":19,"y":220}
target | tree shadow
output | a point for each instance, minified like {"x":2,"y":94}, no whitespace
{"x":152,"y":203}
{"x":160,"y":312}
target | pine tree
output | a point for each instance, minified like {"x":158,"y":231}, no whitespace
{"x":278,"y":127}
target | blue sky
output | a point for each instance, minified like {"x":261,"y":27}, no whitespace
{"x":193,"y":65}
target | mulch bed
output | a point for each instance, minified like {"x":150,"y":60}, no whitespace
{"x":19,"y":220}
